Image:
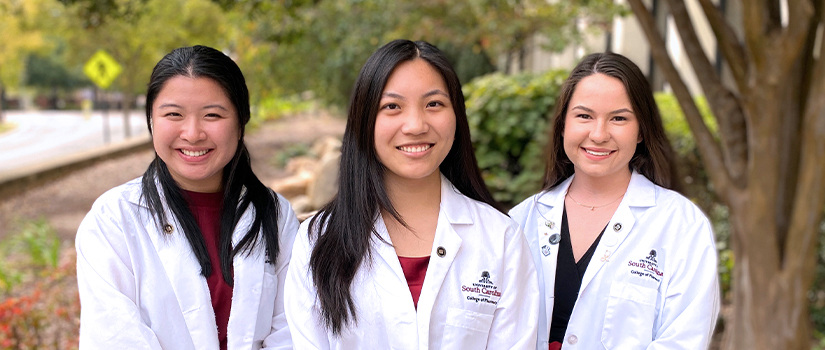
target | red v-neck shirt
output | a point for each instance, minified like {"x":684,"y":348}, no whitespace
{"x":206,"y":207}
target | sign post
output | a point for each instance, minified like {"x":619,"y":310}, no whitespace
{"x":102,"y":69}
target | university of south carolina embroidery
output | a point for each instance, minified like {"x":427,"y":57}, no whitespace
{"x":483,"y":291}
{"x":646,"y":267}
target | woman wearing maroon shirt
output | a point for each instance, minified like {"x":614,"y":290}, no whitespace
{"x":194,"y":254}
{"x":412,"y":252}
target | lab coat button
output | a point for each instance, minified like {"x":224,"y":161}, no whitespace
{"x":168,"y":228}
{"x":555,"y":238}
{"x":617,"y":227}
{"x":441,"y":252}
{"x":572,"y":339}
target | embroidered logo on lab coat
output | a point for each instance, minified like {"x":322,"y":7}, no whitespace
{"x":646,"y":267}
{"x":483,"y":291}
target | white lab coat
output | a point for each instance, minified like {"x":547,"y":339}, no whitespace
{"x":453,"y":311}
{"x":142,"y":289}
{"x":632,"y":297}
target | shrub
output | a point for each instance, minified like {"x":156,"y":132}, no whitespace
{"x":40,"y":308}
{"x":508,"y":117}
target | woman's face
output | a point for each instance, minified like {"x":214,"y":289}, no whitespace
{"x":195,"y":131}
{"x":415,"y":125}
{"x":601,"y":129}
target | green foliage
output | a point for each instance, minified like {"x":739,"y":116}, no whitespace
{"x":320,"y":45}
{"x":277,"y":107}
{"x":38,"y":241}
{"x":40,"y":306}
{"x":508,"y":117}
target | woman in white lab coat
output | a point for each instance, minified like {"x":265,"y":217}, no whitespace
{"x":411,"y":253}
{"x":194,"y":254}
{"x":624,"y":261}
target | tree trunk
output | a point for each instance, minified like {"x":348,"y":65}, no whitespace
{"x":770,"y":305}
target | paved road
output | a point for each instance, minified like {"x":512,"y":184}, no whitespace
{"x":41,"y":136}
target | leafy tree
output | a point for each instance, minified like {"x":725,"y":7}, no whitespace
{"x":320,"y":45}
{"x":137,"y":33}
{"x":18,"y":23}
{"x":766,"y":162}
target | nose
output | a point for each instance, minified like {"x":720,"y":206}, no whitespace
{"x":415,"y":123}
{"x":600,"y":132}
{"x":192,"y":130}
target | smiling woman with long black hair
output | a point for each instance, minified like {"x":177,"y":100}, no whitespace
{"x":412,"y":252}
{"x":194,"y":254}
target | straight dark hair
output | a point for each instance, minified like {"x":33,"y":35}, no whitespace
{"x":653,"y":155}
{"x":239,"y":184}
{"x":345,"y":226}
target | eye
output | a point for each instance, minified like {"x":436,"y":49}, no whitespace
{"x":583,"y":116}
{"x":214,"y":116}
{"x":432,"y":104}
{"x":172,"y":115}
{"x":391,"y":106}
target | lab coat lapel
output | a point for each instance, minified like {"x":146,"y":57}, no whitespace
{"x":246,"y":295}
{"x":640,"y":193}
{"x":391,"y":289}
{"x":184,"y":274}
{"x":550,"y":207}
{"x":446,"y":244}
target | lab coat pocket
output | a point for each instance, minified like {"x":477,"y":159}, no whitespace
{"x":466,"y":329}
{"x":629,"y":316}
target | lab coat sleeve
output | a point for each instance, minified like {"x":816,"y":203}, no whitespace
{"x":301,"y":302}
{"x":109,"y":315}
{"x":691,"y":303}
{"x":515,"y":323}
{"x":279,"y":336}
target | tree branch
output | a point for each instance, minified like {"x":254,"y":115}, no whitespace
{"x":793,"y":37}
{"x":723,"y":103}
{"x":729,"y":44}
{"x":810,"y":189}
{"x":754,"y":13}
{"x":709,"y":149}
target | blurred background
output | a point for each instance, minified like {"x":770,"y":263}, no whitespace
{"x":740,"y":85}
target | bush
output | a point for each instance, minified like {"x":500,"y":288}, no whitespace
{"x":508,"y":117}
{"x":40,"y":307}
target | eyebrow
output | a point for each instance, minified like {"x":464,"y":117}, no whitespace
{"x":588,"y":110}
{"x":173,"y":105}
{"x":427,"y":94}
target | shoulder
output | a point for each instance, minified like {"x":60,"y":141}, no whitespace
{"x":522,"y":211}
{"x":110,"y":212}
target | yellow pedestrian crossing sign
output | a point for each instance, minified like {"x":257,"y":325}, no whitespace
{"x":102,"y":69}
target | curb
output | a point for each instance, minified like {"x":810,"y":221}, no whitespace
{"x":18,"y":180}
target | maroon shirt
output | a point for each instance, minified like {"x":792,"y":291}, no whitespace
{"x":206,"y":207}
{"x":414,"y":271}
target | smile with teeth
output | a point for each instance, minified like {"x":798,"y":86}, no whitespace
{"x":601,"y":154}
{"x":416,"y":148}
{"x":194,"y":153}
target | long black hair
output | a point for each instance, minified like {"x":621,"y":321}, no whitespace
{"x":345,"y":226}
{"x":240,"y":185}
{"x":653,"y":155}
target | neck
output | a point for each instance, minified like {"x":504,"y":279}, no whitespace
{"x":599,"y":190}
{"x":411,"y":196}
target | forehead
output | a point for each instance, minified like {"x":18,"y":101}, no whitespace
{"x":600,"y":91}
{"x":413,"y":74}
{"x":195,"y":90}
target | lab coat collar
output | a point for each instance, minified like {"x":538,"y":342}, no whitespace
{"x":454,"y":204}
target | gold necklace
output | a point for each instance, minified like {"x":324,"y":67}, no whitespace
{"x":593,"y":207}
